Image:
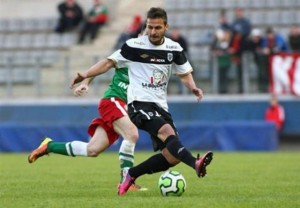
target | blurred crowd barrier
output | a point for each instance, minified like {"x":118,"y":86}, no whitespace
{"x":279,"y":75}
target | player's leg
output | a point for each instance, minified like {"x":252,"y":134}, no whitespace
{"x":97,"y":144}
{"x":161,"y":124}
{"x":177,"y":150}
{"x":154,"y":164}
{"x":114,"y":113}
{"x":124,"y":127}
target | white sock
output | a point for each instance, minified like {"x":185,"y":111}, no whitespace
{"x":77,"y":148}
{"x":126,"y":153}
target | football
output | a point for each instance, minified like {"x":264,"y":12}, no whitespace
{"x":171,"y":183}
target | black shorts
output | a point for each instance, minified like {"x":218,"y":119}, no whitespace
{"x":150,"y":117}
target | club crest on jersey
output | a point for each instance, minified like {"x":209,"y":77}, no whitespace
{"x":170,"y":57}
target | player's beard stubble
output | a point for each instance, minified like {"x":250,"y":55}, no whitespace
{"x":156,"y":39}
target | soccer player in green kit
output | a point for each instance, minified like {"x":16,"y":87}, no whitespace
{"x":104,"y":130}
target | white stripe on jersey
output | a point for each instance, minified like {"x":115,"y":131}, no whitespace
{"x":143,"y":43}
{"x":117,"y":103}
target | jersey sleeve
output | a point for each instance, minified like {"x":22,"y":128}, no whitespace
{"x":118,"y":59}
{"x":180,"y":64}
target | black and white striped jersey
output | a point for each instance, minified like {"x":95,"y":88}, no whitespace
{"x":150,"y":67}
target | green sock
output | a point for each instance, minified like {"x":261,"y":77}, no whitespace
{"x":61,"y":148}
{"x":125,"y":164}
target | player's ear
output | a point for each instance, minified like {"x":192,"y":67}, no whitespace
{"x":167,"y":26}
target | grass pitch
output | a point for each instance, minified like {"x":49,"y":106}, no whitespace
{"x":233,"y":180}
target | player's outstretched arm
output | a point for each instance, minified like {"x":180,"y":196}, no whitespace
{"x":97,"y":69}
{"x":189,"y":82}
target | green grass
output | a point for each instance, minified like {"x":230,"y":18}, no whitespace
{"x":233,"y":180}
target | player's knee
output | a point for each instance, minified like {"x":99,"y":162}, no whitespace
{"x":92,"y":151}
{"x":165,"y":131}
{"x":132,"y":135}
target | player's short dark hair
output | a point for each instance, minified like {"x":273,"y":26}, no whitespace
{"x":157,"y":12}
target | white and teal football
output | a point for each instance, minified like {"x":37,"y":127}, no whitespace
{"x":171,"y":183}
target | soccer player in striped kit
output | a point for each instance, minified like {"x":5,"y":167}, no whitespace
{"x":150,"y":60}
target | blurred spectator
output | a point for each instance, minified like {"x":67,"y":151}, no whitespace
{"x":273,"y":43}
{"x":260,"y":59}
{"x":294,"y":38}
{"x":70,"y":14}
{"x":220,"y":50}
{"x":235,"y":49}
{"x":262,"y":47}
{"x":208,"y":38}
{"x":241,"y":29}
{"x":136,"y":27}
{"x":241,"y":24}
{"x":177,"y":37}
{"x":132,"y":31}
{"x":275,"y":113}
{"x":95,"y":18}
{"x":223,"y":22}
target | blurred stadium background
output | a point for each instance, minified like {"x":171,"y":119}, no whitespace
{"x":36,"y":66}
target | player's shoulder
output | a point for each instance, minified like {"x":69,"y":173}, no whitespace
{"x":172,"y":45}
{"x":139,"y":42}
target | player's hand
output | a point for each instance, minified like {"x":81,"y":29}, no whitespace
{"x":199,"y":94}
{"x":81,"y":89}
{"x":77,"y":79}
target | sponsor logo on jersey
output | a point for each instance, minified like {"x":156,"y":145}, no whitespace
{"x":157,"y":82}
{"x":157,"y":60}
{"x":162,"y":86}
{"x":171,"y":47}
{"x":123,"y":85}
{"x":158,"y":77}
{"x":138,"y":43}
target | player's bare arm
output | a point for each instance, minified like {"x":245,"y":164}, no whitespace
{"x":99,"y":68}
{"x":188,"y":81}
